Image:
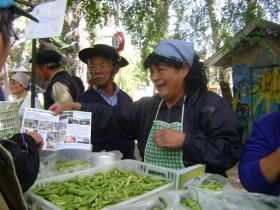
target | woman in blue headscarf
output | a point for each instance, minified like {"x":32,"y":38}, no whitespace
{"x":184,"y":123}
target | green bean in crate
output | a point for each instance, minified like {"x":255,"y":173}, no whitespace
{"x":72,"y":163}
{"x":99,"y":190}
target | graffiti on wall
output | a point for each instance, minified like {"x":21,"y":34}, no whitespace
{"x":256,"y":92}
{"x":267,"y":89}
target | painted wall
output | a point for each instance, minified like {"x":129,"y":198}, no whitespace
{"x":256,"y":92}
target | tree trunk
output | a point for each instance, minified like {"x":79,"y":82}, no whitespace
{"x":214,"y":24}
{"x":6,"y":90}
{"x":252,"y":10}
{"x":225,"y":85}
{"x":216,"y":36}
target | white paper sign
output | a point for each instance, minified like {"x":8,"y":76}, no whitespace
{"x":51,"y":18}
{"x":69,"y":130}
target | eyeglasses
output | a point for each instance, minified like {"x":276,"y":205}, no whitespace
{"x":13,"y":38}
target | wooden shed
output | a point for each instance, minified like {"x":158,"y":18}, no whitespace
{"x":254,"y":56}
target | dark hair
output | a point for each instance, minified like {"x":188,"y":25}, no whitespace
{"x":154,"y":59}
{"x":53,"y":66}
{"x":196,"y":78}
{"x":50,"y":57}
{"x":6,"y":19}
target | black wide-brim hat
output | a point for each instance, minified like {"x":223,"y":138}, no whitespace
{"x":47,"y":56}
{"x":102,"y":50}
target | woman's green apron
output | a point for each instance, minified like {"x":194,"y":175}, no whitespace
{"x":166,"y":157}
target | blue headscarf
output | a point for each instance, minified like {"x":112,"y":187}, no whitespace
{"x":6,"y":3}
{"x":16,"y":9}
{"x":178,"y":50}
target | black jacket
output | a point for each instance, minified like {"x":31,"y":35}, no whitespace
{"x":213,"y":133}
{"x":25,"y":157}
{"x":65,"y":78}
{"x":103,"y":139}
{"x":19,"y":164}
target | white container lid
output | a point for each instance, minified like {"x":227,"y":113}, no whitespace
{"x":104,"y":158}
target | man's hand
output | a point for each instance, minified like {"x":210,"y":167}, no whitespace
{"x":169,"y":138}
{"x":38,"y":139}
{"x":59,"y":107}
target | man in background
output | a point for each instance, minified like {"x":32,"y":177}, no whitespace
{"x":103,"y":64}
{"x":62,"y":87}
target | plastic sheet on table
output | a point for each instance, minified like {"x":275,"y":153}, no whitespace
{"x":196,"y":198}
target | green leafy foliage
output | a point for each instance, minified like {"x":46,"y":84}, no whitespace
{"x":193,"y":19}
{"x":147,"y":22}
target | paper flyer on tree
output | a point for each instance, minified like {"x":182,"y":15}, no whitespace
{"x":69,"y":130}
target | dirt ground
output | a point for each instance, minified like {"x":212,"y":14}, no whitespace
{"x":234,"y":179}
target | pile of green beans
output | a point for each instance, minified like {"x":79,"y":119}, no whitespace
{"x":191,"y":204}
{"x":63,"y":165}
{"x":98,"y":191}
{"x":212,"y":185}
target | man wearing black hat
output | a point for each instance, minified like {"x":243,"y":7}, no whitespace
{"x":62,"y":87}
{"x":103,"y":64}
{"x":19,"y":158}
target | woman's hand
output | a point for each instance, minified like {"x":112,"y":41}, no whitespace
{"x":59,"y":107}
{"x":169,"y":138}
{"x":270,"y":166}
{"x":38,"y":139}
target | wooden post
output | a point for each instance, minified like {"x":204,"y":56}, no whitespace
{"x":33,"y":73}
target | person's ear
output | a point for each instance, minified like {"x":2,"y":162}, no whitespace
{"x":185,"y":69}
{"x":45,"y":66}
{"x":116,"y":69}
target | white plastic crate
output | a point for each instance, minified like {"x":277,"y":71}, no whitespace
{"x":9,"y":118}
{"x":34,"y":202}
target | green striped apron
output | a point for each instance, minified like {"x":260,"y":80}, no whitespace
{"x":165,"y":157}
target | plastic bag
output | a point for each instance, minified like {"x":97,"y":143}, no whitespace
{"x":224,"y":195}
{"x":230,"y":199}
{"x":191,"y":199}
{"x":152,"y":203}
{"x":251,"y":201}
{"x":63,"y":161}
{"x":70,"y":160}
{"x":213,"y":182}
{"x":197,"y":198}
